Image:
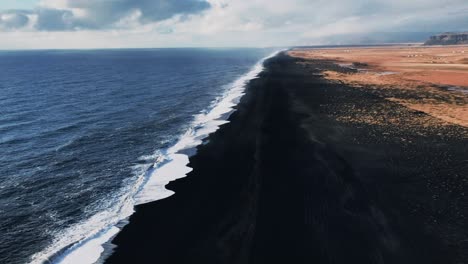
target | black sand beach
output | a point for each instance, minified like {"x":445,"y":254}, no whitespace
{"x":291,"y":180}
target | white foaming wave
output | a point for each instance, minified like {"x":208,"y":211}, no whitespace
{"x":84,"y":241}
{"x":204,"y":124}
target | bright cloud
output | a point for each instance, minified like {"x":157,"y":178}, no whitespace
{"x":155,"y":23}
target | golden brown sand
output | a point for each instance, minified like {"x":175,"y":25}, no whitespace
{"x":433,"y":80}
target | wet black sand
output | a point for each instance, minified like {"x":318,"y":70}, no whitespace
{"x":288,"y":182}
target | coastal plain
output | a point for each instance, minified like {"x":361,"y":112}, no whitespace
{"x":430,"y":79}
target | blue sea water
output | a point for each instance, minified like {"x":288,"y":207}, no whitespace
{"x":82,"y":132}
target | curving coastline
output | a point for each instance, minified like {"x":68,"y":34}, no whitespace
{"x":169,"y":165}
{"x":289,"y":180}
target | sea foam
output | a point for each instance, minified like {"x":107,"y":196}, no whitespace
{"x":84,"y":242}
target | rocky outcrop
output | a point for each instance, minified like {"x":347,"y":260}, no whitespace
{"x":448,"y":39}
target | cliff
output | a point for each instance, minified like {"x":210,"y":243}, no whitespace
{"x":448,"y":39}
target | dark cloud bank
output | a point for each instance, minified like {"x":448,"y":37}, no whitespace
{"x":100,"y":14}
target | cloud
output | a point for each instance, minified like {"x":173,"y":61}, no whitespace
{"x":73,"y":15}
{"x":54,"y":19}
{"x":306,"y":22}
{"x":13,"y":20}
{"x":175,"y":23}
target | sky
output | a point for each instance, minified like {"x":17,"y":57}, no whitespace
{"x":42,"y":24}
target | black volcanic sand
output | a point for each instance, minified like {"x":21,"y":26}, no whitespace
{"x":287,"y":182}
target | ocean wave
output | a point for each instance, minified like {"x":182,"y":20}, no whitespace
{"x":83,"y":243}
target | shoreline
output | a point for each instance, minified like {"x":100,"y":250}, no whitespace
{"x":170,"y":165}
{"x":287,"y":180}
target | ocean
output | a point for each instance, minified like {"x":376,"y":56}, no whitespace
{"x":87,"y":135}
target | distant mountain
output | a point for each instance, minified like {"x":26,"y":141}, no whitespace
{"x":448,"y":39}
